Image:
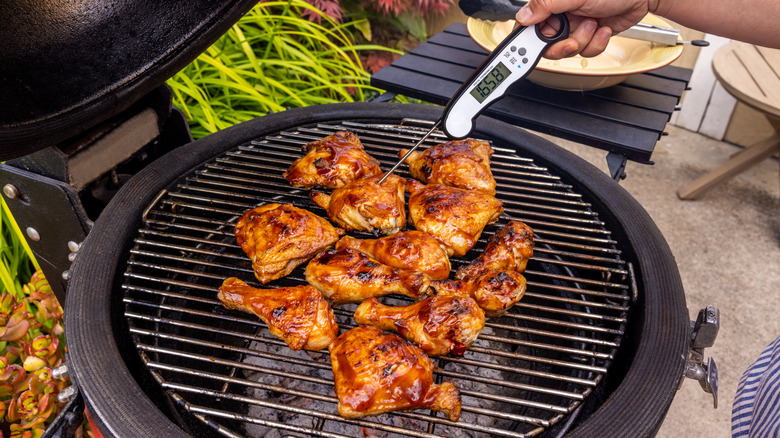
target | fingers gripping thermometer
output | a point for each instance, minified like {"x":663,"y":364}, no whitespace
{"x":513,"y":59}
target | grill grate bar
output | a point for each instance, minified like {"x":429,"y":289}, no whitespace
{"x":548,"y":321}
{"x":202,"y":263}
{"x":187,"y":249}
{"x":588,"y":315}
{"x":533,"y":214}
{"x":304,"y":377}
{"x":162,"y":320}
{"x":333,"y":400}
{"x":558,"y":253}
{"x":585,"y":382}
{"x":360,"y":423}
{"x":443,"y":372}
{"x":195,"y":240}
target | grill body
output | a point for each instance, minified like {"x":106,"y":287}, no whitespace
{"x":603,"y":327}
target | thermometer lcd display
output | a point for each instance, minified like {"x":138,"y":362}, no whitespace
{"x":491,"y":81}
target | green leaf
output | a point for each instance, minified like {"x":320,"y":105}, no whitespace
{"x":364,"y":27}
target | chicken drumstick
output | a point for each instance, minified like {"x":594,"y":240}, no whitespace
{"x":299,"y":315}
{"x":439,"y":325}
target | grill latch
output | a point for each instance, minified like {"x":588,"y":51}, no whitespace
{"x":703,"y":333}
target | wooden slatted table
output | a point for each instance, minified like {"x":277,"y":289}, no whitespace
{"x":626,"y":119}
{"x":752,"y":75}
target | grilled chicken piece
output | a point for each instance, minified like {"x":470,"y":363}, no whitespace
{"x":332,"y":162}
{"x":508,"y":249}
{"x":349,"y":276}
{"x":439,"y":325}
{"x":366,"y":205}
{"x":456,"y":217}
{"x":460,"y":163}
{"x":298,"y":315}
{"x":377,"y":372}
{"x":409,"y":250}
{"x":279,"y":237}
{"x":494,"y":291}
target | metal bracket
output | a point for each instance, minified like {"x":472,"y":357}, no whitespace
{"x":617,"y":165}
{"x":703,"y":333}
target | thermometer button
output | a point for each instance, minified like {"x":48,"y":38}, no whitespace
{"x":522,"y":51}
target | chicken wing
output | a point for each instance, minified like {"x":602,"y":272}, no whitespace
{"x":508,"y":249}
{"x":459,"y":163}
{"x":494,"y":291}
{"x":349,"y":276}
{"x":279,"y":237}
{"x":409,"y":250}
{"x":298,"y":315}
{"x":377,"y":372}
{"x":439,"y":325}
{"x":366,"y":205}
{"x":332,"y":162}
{"x":456,"y":217}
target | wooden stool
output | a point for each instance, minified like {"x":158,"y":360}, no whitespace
{"x":752,"y":75}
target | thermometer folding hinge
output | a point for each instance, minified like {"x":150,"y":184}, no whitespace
{"x":703,"y":333}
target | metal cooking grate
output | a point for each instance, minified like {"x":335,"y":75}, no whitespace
{"x":530,"y":369}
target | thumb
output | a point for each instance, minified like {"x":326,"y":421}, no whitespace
{"x":533,"y":12}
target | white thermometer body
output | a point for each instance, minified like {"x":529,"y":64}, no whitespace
{"x":513,"y":59}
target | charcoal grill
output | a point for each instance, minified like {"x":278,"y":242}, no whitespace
{"x":597,"y":347}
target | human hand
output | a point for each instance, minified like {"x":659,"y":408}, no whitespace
{"x":592,"y":22}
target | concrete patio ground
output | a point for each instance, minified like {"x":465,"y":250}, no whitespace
{"x":727,"y":247}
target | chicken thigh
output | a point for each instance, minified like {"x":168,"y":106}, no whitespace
{"x":279,"y":237}
{"x":409,"y":250}
{"x":439,"y":325}
{"x":458,"y":163}
{"x":494,"y":291}
{"x":298,"y":315}
{"x":508,"y":249}
{"x":366,"y":205}
{"x":332,"y":162}
{"x":456,"y":217}
{"x":376,"y":372}
{"x":349,"y":276}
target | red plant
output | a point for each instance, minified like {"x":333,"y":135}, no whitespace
{"x":30,"y":347}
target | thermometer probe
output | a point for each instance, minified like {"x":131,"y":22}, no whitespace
{"x":513,"y":59}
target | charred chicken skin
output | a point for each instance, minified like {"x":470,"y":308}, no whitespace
{"x":494,"y":291}
{"x":279,"y":237}
{"x":332,"y":162}
{"x":378,"y":372}
{"x":366,"y":205}
{"x":349,"y":276}
{"x":508,"y":249}
{"x":456,"y":217}
{"x":408,"y":250}
{"x":299,"y":315}
{"x":439,"y":325}
{"x":459,"y":163}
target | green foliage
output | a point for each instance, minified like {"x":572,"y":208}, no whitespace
{"x":15,"y":256}
{"x":271,"y":60}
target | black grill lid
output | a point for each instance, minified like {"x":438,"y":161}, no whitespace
{"x":67,"y":66}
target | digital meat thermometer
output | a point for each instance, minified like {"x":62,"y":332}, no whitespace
{"x":513,"y":59}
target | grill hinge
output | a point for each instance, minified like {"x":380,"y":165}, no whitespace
{"x":703,"y":333}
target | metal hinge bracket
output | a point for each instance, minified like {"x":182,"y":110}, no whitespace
{"x":703,"y":333}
